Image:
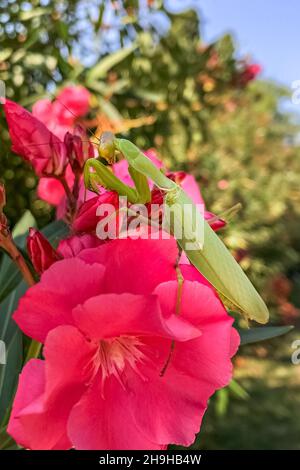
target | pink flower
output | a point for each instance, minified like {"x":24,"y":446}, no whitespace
{"x":34,"y":142}
{"x":127,"y":366}
{"x":40,"y":251}
{"x":60,"y":115}
{"x":249,"y":73}
{"x":72,"y":102}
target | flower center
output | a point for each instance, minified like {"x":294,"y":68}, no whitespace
{"x":113,"y":355}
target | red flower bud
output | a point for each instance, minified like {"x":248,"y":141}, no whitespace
{"x":78,"y":149}
{"x":41,"y":253}
{"x":86,"y":219}
{"x":34,"y":142}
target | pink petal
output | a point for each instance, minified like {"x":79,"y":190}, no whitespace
{"x":30,"y":424}
{"x":136,"y":266}
{"x":66,"y":345}
{"x":121,"y":167}
{"x":106,"y":423}
{"x":191,"y":187}
{"x":72,"y":246}
{"x":213,"y":350}
{"x":112,"y":315}
{"x":50,"y":190}
{"x":71,"y":103}
{"x":49,"y":303}
{"x":169,"y":408}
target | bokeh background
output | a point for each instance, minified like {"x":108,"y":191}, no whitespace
{"x":209,"y":85}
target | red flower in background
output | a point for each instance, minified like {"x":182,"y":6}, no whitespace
{"x":62,"y":114}
{"x":249,"y":73}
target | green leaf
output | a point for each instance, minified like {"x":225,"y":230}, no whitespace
{"x":253,"y":335}
{"x":6,"y":442}
{"x":12,"y":337}
{"x":9,"y":274}
{"x":5,"y":54}
{"x":21,"y":228}
{"x":34,"y":13}
{"x":107,"y":63}
{"x":222,"y":397}
{"x":152,"y":96}
{"x":238,"y":390}
{"x":110,"y":110}
{"x":56,"y":231}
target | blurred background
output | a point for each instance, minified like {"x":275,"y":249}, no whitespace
{"x":211,"y":84}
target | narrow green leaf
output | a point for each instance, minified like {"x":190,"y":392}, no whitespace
{"x":9,"y":274}
{"x":34,"y":13}
{"x":238,"y":390}
{"x":12,"y":337}
{"x":107,"y":63}
{"x":222,"y":402}
{"x":253,"y":335}
{"x":21,"y":228}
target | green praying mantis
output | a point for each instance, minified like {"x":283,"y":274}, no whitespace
{"x":205,"y":250}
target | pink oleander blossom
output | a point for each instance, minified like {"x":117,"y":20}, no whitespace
{"x":111,"y":378}
{"x":61,"y":114}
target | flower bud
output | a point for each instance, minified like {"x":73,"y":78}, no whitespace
{"x":41,"y":253}
{"x":86,"y":219}
{"x":78,"y":150}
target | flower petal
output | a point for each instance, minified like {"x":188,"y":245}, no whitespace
{"x":27,"y":134}
{"x":135,"y":266}
{"x":30,"y":424}
{"x":49,"y":303}
{"x":113,"y":315}
{"x":206,"y":358}
{"x":104,"y":423}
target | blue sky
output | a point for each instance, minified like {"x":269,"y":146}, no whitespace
{"x":268,"y":30}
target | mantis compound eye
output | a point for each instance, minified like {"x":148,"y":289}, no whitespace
{"x":107,"y":148}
